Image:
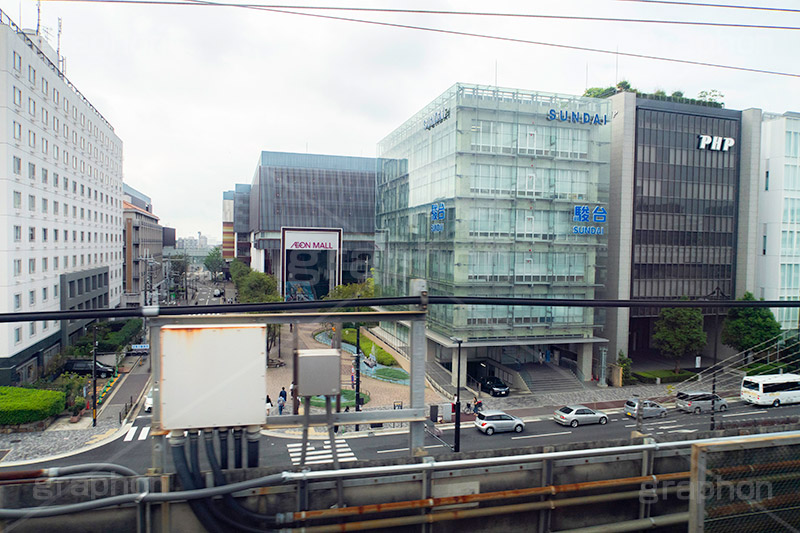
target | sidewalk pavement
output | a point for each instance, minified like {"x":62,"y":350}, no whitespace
{"x":64,"y":438}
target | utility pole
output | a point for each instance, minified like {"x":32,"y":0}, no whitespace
{"x":457,"y":440}
{"x":358,"y":369}
{"x":94,"y":378}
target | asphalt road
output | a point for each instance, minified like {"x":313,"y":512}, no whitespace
{"x":134,"y":448}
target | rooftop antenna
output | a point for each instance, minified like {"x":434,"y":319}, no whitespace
{"x":58,"y":50}
{"x":38,"y":15}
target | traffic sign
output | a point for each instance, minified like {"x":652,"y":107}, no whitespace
{"x":140,"y":346}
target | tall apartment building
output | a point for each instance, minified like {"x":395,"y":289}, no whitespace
{"x":778,"y":250}
{"x":60,"y":203}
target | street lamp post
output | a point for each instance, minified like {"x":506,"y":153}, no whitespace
{"x":457,"y":440}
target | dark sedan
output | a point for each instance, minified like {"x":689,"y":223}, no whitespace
{"x":494,"y":385}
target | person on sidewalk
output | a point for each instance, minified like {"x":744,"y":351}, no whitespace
{"x":282,"y":393}
{"x":269,"y":405}
{"x":281,"y":404}
{"x":291,"y":389}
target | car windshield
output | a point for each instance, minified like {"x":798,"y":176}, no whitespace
{"x":481,"y":416}
{"x":630,"y":403}
{"x":683,"y":396}
{"x":565,"y":410}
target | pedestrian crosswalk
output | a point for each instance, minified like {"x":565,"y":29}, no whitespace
{"x":145,"y":430}
{"x":320,"y":452}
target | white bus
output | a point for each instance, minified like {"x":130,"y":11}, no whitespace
{"x":771,"y":389}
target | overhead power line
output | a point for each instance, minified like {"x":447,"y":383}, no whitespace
{"x":449,"y":32}
{"x":455,"y":13}
{"x":725,"y":6}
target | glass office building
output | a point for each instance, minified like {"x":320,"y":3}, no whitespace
{"x":684,"y":210}
{"x":497,"y":192}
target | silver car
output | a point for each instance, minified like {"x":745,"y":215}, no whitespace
{"x":699,"y":402}
{"x":493,"y":421}
{"x":650,"y":408}
{"x":578,"y":415}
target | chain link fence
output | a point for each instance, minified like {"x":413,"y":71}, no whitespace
{"x":751,"y":485}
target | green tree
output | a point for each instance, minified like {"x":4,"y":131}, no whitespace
{"x":711,"y":96}
{"x":214,"y":262}
{"x":238,"y":271}
{"x":677,"y":94}
{"x":178,"y":265}
{"x":257,"y":287}
{"x":660,"y":92}
{"x":679,"y":333}
{"x":625,"y":86}
{"x":599,"y":92}
{"x":353,"y":291}
{"x":746,"y":327}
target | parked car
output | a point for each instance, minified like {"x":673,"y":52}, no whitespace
{"x":148,"y":401}
{"x":493,"y":421}
{"x":494,"y":385}
{"x":650,"y":408}
{"x":699,"y":402}
{"x":84,"y":366}
{"x":578,"y":415}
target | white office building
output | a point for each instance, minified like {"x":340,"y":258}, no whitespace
{"x":778,"y":263}
{"x":60,"y":204}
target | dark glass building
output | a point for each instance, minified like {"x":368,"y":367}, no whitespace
{"x":309,"y":191}
{"x":683,"y":208}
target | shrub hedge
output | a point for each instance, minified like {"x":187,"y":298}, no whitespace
{"x":382,"y":356}
{"x":19,"y":406}
{"x":757,"y":369}
{"x":667,"y":376}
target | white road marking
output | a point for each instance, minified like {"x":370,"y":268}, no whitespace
{"x":670,"y":427}
{"x":131,"y":433}
{"x":321,"y":454}
{"x":682,"y":431}
{"x":541,"y":435}
{"x":144,"y":432}
{"x":745,"y":414}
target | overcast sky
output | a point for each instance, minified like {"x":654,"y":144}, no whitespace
{"x":197,"y":92}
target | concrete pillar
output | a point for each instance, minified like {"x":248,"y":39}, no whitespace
{"x":454,"y":371}
{"x":585,"y":361}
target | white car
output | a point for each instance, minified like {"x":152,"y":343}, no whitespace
{"x":494,"y":421}
{"x":148,"y":402}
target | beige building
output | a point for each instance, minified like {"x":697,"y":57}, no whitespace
{"x":142,"y":271}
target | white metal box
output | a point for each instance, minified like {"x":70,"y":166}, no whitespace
{"x":213,"y":376}
{"x":319,"y":372}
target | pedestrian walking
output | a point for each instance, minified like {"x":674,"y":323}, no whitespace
{"x":282,"y":393}
{"x":281,"y":404}
{"x":475,"y":405}
{"x":269,"y":405}
{"x":541,"y":357}
{"x":291,"y":389}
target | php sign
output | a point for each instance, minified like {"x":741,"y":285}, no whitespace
{"x":713,"y":142}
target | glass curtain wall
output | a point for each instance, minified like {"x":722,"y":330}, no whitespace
{"x":484,"y":193}
{"x":685,"y":205}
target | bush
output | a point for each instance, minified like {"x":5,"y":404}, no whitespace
{"x":392,"y":374}
{"x":666,"y":375}
{"x":757,"y":369}
{"x":625,"y":363}
{"x":80,"y":403}
{"x":19,"y":406}
{"x":348,"y":399}
{"x":382,"y":356}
